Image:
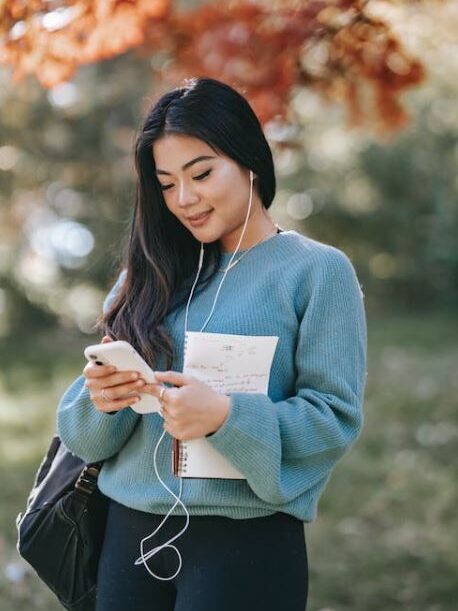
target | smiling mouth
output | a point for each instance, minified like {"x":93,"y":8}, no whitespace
{"x":196,"y":217}
{"x":199,"y":219}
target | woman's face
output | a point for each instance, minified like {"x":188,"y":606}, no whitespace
{"x":207,"y":192}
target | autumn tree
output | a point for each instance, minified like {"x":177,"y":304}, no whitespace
{"x":266,"y":48}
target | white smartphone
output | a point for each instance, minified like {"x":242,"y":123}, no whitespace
{"x":125,"y":358}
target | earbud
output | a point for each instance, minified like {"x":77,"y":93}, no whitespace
{"x":251,"y":176}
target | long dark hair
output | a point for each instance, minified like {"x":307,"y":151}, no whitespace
{"x":161,"y":256}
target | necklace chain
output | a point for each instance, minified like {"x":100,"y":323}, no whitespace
{"x":262,"y":239}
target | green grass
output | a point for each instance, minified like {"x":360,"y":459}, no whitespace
{"x":386,"y":532}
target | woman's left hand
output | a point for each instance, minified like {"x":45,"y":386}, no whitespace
{"x":191,"y":409}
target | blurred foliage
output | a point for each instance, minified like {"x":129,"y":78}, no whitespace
{"x":66,"y":191}
{"x":393,"y":209}
{"x":264,"y":47}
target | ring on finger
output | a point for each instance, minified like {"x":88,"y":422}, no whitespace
{"x":161,"y":395}
{"x":104,"y":396}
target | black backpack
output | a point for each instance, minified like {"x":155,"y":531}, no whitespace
{"x":61,"y":532}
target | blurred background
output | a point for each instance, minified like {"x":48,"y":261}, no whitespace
{"x":352,"y":171}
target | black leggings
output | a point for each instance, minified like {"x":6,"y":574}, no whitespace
{"x":258,"y":564}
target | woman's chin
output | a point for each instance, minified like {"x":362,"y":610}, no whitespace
{"x":206,"y":234}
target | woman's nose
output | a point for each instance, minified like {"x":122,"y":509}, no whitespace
{"x":186,"y":195}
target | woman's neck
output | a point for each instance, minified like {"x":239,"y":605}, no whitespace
{"x":260,"y":226}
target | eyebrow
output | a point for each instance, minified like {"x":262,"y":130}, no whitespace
{"x":189,"y":163}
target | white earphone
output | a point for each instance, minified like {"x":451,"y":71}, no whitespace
{"x":146,"y":555}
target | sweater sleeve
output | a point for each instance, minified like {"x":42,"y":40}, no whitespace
{"x":285,"y":448}
{"x":88,"y":433}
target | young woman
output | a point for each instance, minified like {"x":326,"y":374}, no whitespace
{"x":205,"y":255}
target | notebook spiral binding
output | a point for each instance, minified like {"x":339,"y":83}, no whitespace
{"x":180,"y":450}
{"x":182,"y":458}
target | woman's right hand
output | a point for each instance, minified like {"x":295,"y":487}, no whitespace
{"x":120,"y":388}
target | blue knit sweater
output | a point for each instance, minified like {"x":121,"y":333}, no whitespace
{"x":286,"y":442}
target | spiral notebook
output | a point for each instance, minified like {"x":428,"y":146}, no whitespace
{"x":227,"y":363}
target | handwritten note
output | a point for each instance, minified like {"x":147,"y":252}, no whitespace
{"x":227,"y":363}
{"x":230,"y":363}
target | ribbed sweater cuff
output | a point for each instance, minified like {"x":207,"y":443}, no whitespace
{"x":248,"y":428}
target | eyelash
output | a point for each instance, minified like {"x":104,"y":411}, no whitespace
{"x":200,"y":177}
